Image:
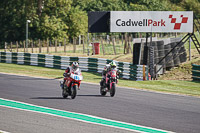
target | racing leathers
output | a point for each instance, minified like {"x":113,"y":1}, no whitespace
{"x":68,"y":72}
{"x":106,"y":69}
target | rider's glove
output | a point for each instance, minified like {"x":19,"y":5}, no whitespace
{"x":66,"y":74}
{"x":118,"y":72}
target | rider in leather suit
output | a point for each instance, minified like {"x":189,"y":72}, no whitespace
{"x":108,"y":68}
{"x":74,"y":68}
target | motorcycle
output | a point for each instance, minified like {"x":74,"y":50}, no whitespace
{"x":109,"y":84}
{"x":71,"y":85}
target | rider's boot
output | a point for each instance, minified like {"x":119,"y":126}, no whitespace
{"x":102,"y":82}
{"x":79,"y":88}
{"x":62,"y":84}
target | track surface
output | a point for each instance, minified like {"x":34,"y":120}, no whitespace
{"x":163,"y":111}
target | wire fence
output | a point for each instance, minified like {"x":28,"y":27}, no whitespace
{"x":108,"y":45}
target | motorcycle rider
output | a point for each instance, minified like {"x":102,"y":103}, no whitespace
{"x":74,"y":68}
{"x":107,"y":69}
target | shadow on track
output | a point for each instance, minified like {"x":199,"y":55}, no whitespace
{"x":67,"y":98}
{"x":91,"y":96}
{"x":48,"y":98}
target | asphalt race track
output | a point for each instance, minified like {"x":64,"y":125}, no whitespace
{"x":174,"y":113}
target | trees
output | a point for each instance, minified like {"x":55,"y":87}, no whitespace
{"x":13,"y":15}
{"x":191,"y":5}
{"x":67,"y":18}
{"x":48,"y":19}
{"x":101,"y":5}
{"x":78,"y":22}
{"x":51,"y":22}
{"x":149,"y":5}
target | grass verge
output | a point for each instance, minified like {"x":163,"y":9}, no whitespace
{"x":168,"y":86}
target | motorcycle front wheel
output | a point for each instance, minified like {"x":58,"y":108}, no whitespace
{"x":73,"y":91}
{"x":64,"y":93}
{"x":112,"y":91}
{"x":102,"y":91}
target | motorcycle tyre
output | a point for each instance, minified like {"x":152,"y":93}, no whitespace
{"x":73,"y":91}
{"x":64,"y":94}
{"x":102,"y":92}
{"x":112,"y":91}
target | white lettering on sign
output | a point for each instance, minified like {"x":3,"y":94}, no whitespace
{"x":151,"y":21}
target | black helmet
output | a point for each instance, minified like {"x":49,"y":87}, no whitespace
{"x":75,"y":66}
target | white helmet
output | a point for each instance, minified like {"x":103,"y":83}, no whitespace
{"x":113,"y":64}
{"x":75,"y":66}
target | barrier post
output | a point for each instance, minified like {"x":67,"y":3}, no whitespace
{"x":47,"y":45}
{"x":39,"y":46}
{"x":5,"y":47}
{"x":144,"y":73}
{"x":113,"y":41}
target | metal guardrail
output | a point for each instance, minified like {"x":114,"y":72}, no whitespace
{"x":195,"y":72}
{"x":96,"y":65}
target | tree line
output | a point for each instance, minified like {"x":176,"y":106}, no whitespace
{"x":59,"y":19}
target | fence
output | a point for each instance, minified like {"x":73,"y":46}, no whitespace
{"x":195,"y":72}
{"x":96,"y":65}
{"x":109,"y":45}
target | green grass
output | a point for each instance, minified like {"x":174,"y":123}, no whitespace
{"x":168,"y":86}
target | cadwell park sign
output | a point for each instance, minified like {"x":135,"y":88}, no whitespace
{"x":151,"y":21}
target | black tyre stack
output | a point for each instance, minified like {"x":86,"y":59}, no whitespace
{"x":169,"y":58}
{"x":161,"y":53}
{"x":175,"y":54}
{"x":136,"y":53}
{"x":182,"y":54}
{"x":174,"y":58}
{"x":156,"y":56}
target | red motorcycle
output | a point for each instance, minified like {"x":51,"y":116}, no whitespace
{"x":71,"y":84}
{"x":109,"y":84}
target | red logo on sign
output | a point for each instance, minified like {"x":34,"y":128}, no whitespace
{"x":177,"y":26}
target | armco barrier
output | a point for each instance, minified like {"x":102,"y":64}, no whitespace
{"x":195,"y":72}
{"x":129,"y":71}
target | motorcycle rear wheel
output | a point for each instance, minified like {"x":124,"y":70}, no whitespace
{"x":112,"y":91}
{"x":73,"y":91}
